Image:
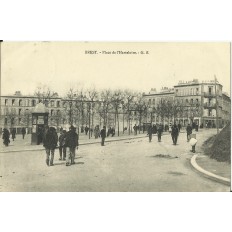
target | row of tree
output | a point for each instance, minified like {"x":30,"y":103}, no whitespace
{"x":107,"y":107}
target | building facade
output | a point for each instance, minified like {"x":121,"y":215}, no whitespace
{"x":16,"y":110}
{"x":201,"y":102}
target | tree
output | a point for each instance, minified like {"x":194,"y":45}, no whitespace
{"x":44,"y":94}
{"x":116,"y":102}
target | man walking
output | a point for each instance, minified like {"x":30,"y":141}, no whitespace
{"x":23,"y":132}
{"x":71,"y":142}
{"x":50,"y":140}
{"x":149,"y":132}
{"x":13,"y":133}
{"x":189,"y":132}
{"x":175,"y":133}
{"x":159,"y":132}
{"x":62,"y":148}
{"x":103,"y":135}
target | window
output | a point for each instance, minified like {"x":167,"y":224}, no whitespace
{"x":52,"y":103}
{"x":186,"y":101}
{"x":197,"y":100}
{"x":20,"y":120}
{"x":58,"y":112}
{"x":153,"y":101}
{"x":210,"y":112}
{"x":197,"y":91}
{"x":20,"y":102}
{"x":191,"y":101}
{"x":149,"y":101}
{"x":52,"y":112}
{"x":20,"y":110}
{"x":33,"y":102}
{"x":6,"y":102}
{"x":58,"y":104}
{"x":13,"y":102}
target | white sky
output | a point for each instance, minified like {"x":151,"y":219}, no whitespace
{"x":61,"y":65}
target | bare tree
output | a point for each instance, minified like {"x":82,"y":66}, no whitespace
{"x":44,"y":94}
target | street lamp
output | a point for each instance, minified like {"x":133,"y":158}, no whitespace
{"x":150,"y":110}
{"x":70,"y":112}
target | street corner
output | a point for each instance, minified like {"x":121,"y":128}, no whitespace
{"x":211,"y":169}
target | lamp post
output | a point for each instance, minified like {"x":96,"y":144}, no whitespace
{"x":151,"y":113}
{"x":70,"y":112}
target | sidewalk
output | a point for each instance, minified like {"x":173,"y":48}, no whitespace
{"x":210,"y":168}
{"x":25,"y":145}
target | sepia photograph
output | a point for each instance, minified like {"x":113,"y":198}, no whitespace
{"x":115,"y":116}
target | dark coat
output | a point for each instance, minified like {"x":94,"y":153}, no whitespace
{"x":103,"y":133}
{"x":50,"y":139}
{"x":6,"y":134}
{"x":175,"y":131}
{"x":159,"y":130}
{"x":62,"y":138}
{"x":189,"y":130}
{"x":23,"y":130}
{"x":71,"y":139}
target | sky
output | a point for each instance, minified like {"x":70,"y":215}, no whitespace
{"x":61,"y":65}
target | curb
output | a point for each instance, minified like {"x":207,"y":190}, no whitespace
{"x":208,"y":174}
{"x":81,"y":144}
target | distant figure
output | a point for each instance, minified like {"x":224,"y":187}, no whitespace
{"x":96,"y":131}
{"x":50,"y":140}
{"x":159,"y":132}
{"x":113,"y":131}
{"x":109,"y":131}
{"x":175,"y":133}
{"x":71,"y":143}
{"x":149,"y":132}
{"x":62,"y":148}
{"x":196,"y":127}
{"x":103,"y":135}
{"x":189,"y":132}
{"x":135,"y":129}
{"x":13,"y":134}
{"x":6,"y":137}
{"x":86,"y":130}
{"x":179,"y":126}
{"x":23,"y":132}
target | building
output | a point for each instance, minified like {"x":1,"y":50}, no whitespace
{"x":201,"y":102}
{"x":16,"y":110}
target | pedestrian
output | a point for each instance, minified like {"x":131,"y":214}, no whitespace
{"x":179,"y":126}
{"x":175,"y":133}
{"x":50,"y":140}
{"x":103,"y":135}
{"x":149,"y":132}
{"x":135,"y":129}
{"x":113,"y":131}
{"x":109,"y":131}
{"x":71,"y":143}
{"x":86,"y":130}
{"x":189,"y":132}
{"x":6,"y":137}
{"x":62,"y":148}
{"x":159,"y":132}
{"x":23,"y":132}
{"x":13,"y":134}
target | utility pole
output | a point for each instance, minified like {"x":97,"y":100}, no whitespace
{"x":215,"y":84}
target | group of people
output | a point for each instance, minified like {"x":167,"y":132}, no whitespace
{"x":174,"y":131}
{"x":6,"y":135}
{"x":68,"y":143}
